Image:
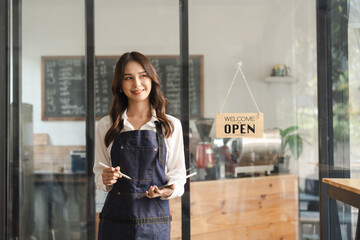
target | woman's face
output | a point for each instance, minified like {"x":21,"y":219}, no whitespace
{"x":136,"y":84}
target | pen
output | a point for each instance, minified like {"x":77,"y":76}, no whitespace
{"x":125,"y":176}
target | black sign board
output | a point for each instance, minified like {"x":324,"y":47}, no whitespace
{"x":63,"y":85}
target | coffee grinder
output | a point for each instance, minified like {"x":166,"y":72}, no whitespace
{"x":204,"y":149}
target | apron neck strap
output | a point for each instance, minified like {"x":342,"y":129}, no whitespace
{"x":160,"y":138}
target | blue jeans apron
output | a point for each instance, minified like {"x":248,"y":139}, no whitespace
{"x":141,"y":155}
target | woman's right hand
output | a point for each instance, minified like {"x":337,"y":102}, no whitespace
{"x":110,"y":175}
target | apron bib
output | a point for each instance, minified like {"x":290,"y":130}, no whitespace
{"x":141,"y":155}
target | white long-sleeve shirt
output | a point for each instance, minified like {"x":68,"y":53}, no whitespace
{"x":175,"y":163}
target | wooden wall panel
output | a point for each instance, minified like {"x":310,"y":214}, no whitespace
{"x":243,"y":208}
{"x":175,"y":210}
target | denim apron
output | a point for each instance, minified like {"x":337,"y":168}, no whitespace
{"x":141,"y":155}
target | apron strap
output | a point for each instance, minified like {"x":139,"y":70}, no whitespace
{"x":160,"y":138}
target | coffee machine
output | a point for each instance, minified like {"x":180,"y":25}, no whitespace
{"x":204,"y":149}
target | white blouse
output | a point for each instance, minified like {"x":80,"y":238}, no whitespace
{"x":175,"y":163}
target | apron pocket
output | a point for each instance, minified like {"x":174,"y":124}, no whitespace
{"x":142,"y":168}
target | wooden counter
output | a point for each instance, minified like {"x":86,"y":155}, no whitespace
{"x":50,"y":158}
{"x":242,"y":208}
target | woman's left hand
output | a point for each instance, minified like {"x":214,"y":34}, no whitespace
{"x":154,"y":191}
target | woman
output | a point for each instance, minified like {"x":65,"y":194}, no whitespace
{"x":141,"y":141}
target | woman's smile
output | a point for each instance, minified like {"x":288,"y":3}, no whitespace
{"x":138,"y":91}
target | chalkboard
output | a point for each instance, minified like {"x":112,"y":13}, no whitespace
{"x":63,"y":85}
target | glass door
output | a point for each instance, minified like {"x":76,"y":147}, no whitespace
{"x":48,"y":180}
{"x":338,"y":58}
{"x":255,"y":188}
{"x":148,"y":27}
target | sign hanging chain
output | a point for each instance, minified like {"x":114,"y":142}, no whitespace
{"x":232,"y":83}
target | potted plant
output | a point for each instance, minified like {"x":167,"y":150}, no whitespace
{"x":290,"y":139}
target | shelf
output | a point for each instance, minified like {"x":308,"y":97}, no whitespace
{"x":280,"y":79}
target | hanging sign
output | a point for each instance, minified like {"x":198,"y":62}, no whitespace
{"x":236,"y":125}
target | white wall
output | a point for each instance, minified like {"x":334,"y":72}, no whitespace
{"x":260,"y":33}
{"x":51,"y":28}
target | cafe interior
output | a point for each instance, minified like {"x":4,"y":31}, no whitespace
{"x":299,"y":63}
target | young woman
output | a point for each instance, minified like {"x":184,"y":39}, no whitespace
{"x":138,"y":139}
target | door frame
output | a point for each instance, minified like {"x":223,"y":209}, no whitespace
{"x":4,"y":112}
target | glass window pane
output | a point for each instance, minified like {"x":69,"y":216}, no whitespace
{"x":53,"y":180}
{"x":151,"y":28}
{"x":257,"y":187}
{"x":350,"y":216}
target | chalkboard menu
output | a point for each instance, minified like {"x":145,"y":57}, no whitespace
{"x":63,"y":85}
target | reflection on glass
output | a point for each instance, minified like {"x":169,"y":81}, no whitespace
{"x":204,"y":150}
{"x":53,"y":180}
{"x":353,"y":75}
{"x":152,"y":28}
{"x":255,"y":178}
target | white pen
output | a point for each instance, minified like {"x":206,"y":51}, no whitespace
{"x":125,"y":176}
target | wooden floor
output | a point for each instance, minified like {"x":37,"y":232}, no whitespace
{"x":243,"y":208}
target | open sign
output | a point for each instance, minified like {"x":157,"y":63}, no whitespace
{"x":236,"y":125}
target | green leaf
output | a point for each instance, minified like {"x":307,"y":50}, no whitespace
{"x":288,"y":130}
{"x":295,"y":144}
{"x":282,"y":133}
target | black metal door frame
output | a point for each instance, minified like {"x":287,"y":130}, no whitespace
{"x":328,"y":15}
{"x":185,"y":112}
{"x":90,"y":117}
{"x":15,"y":124}
{"x":4,"y":112}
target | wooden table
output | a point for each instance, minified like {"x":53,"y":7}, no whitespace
{"x":347,"y":191}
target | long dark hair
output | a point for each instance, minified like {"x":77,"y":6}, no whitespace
{"x":120,"y":101}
